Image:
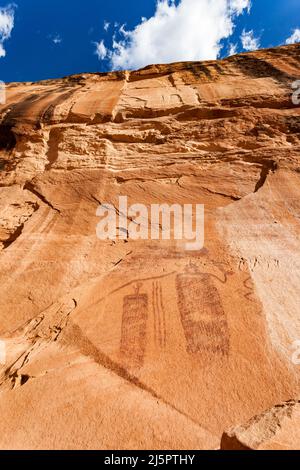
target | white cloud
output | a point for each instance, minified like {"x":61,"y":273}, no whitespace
{"x":249,"y":42}
{"x":56,"y":39}
{"x":241,"y":5}
{"x":106,"y":25}
{"x":101,"y":50}
{"x":2,"y":51}
{"x":295,"y":37}
{"x":232,"y":49}
{"x":7,"y":16}
{"x":190,"y":30}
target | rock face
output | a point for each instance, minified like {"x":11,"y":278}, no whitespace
{"x":276,"y":429}
{"x":142,"y":344}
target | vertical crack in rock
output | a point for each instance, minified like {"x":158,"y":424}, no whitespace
{"x":53,"y":147}
{"x":265,"y":172}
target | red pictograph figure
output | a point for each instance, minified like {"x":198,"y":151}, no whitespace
{"x":202,"y":316}
{"x":134,"y":328}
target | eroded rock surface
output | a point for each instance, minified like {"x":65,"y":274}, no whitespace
{"x":276,"y":429}
{"x":142,"y":344}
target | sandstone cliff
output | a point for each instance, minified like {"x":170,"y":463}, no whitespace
{"x":104,"y":342}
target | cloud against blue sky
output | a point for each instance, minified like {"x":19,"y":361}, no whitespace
{"x":6,"y":26}
{"x":53,"y":38}
{"x":186,"y":30}
{"x":295,"y":37}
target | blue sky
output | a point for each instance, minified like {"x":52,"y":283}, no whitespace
{"x":53,"y":38}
